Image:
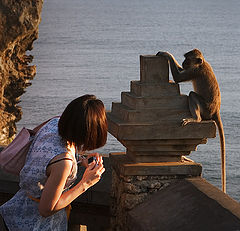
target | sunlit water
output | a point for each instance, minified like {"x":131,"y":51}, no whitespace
{"x":94,"y":46}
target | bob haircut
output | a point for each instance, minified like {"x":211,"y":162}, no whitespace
{"x":84,"y":123}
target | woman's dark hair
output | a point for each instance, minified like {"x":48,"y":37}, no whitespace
{"x":84,"y":123}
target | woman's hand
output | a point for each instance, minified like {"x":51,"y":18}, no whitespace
{"x":93,"y":172}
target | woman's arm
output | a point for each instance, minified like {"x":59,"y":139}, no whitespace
{"x":52,"y":198}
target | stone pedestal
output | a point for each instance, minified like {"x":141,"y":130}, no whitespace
{"x":147,"y":122}
{"x":132,"y":183}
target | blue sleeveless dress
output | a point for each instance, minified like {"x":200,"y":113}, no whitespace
{"x":21,"y":213}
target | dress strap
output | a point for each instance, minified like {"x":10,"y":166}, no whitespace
{"x":60,"y":160}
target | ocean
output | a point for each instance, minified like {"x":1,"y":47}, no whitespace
{"x":93,"y":47}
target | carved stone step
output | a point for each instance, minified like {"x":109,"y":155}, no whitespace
{"x":149,"y":115}
{"x":162,"y":149}
{"x":135,"y":102}
{"x":165,"y":142}
{"x":154,"y":90}
{"x":159,"y":153}
{"x":149,"y":131}
{"x":125,"y":166}
{"x":154,"y":158}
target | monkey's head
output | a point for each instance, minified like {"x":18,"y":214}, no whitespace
{"x":193,"y":59}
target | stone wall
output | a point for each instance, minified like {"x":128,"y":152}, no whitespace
{"x":130,"y":191}
{"x":19,"y":22}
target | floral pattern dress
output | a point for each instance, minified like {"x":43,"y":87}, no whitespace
{"x":21,"y":213}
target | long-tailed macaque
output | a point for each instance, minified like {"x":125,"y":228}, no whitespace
{"x":205,"y":101}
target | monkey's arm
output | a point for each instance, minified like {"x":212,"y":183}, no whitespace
{"x":178,"y":73}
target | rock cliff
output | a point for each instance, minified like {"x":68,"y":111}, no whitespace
{"x":19,"y":22}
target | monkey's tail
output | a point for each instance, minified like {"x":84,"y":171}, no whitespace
{"x":217,"y":119}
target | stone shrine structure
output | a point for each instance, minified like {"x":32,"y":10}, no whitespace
{"x":147,"y":122}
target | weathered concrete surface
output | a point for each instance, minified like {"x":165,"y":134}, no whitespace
{"x":19,"y":22}
{"x":187,"y":205}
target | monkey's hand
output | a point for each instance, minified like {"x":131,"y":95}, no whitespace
{"x":184,"y":122}
{"x":164,"y":54}
{"x":188,"y":120}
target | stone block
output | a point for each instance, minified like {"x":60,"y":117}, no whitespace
{"x":150,"y":131}
{"x":165,"y":142}
{"x":160,"y":148}
{"x":143,"y":151}
{"x":148,"y":158}
{"x":123,"y":165}
{"x":153,"y":69}
{"x":154,"y":90}
{"x":165,"y":102}
{"x":172,"y":115}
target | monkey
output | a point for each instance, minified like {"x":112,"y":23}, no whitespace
{"x":204,"y":102}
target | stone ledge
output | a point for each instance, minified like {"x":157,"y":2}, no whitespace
{"x":188,"y":204}
{"x":144,"y":131}
{"x":124,"y":166}
{"x":168,"y":115}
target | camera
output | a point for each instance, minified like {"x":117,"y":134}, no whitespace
{"x":91,"y":159}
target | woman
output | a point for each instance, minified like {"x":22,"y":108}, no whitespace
{"x":51,"y":167}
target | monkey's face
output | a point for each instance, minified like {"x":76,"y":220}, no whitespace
{"x":191,"y":62}
{"x":186,"y":63}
